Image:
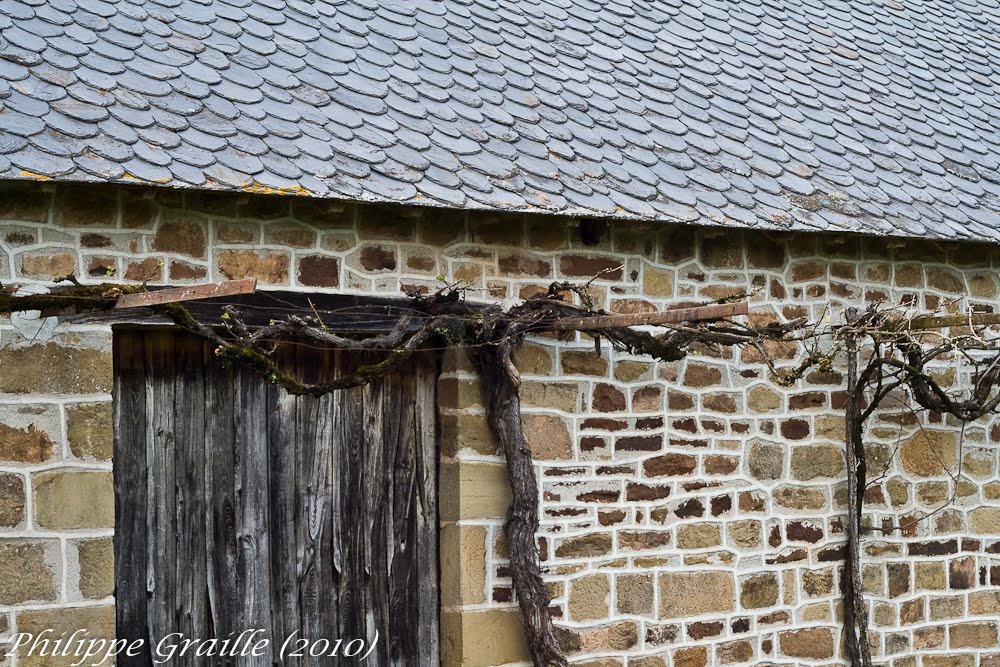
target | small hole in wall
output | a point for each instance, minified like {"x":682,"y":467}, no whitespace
{"x":592,"y":231}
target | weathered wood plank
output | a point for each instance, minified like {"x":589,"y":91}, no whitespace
{"x":161,"y":432}
{"x":400,"y":464}
{"x":192,"y":293}
{"x":189,"y":423}
{"x":317,"y":592}
{"x":130,"y":483}
{"x":252,"y":479}
{"x":284,"y":437}
{"x":673,"y":316}
{"x":352,"y":621}
{"x":220,"y":490}
{"x":426,"y":507}
{"x":378,"y":397}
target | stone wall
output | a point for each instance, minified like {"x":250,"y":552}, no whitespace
{"x":56,"y":496}
{"x":691,"y":511}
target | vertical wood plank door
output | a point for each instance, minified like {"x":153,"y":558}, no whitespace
{"x":241,"y":508}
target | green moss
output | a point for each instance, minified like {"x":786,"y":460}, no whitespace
{"x":78,"y":298}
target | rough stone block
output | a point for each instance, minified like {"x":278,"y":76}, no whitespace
{"x":71,"y":499}
{"x":473,"y":491}
{"x":692,"y":593}
{"x":482,"y":638}
{"x":12,"y":500}
{"x":548,"y":437}
{"x":809,"y":643}
{"x":97,"y":567}
{"x":27,"y":572}
{"x":463,"y":564}
{"x":89,"y":430}
{"x":98,"y":621}
{"x":588,"y":597}
{"x":68,"y":364}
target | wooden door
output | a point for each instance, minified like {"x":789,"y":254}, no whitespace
{"x":240,"y":508}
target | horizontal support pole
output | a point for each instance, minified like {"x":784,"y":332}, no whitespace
{"x":673,"y":316}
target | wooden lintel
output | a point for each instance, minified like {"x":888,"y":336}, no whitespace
{"x":673,"y":316}
{"x":192,"y":293}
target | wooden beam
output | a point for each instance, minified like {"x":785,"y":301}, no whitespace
{"x":946,"y":321}
{"x":192,"y":293}
{"x":673,"y":316}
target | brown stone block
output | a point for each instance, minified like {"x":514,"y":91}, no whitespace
{"x":24,"y":202}
{"x":24,"y":445}
{"x":669,"y":465}
{"x":812,"y":461}
{"x":929,"y":453}
{"x":962,"y":573}
{"x":482,"y":638}
{"x":630,"y":371}
{"x":25,"y":571}
{"x":588,"y":598}
{"x":463,"y":564}
{"x":985,"y":520}
{"x":733,"y":652}
{"x":702,"y":375}
{"x":267,"y":267}
{"x":466,"y":431}
{"x":759,"y":591}
{"x":70,"y":498}
{"x":533,"y":359}
{"x":608,"y":398}
{"x":473,"y":491}
{"x":69,"y":364}
{"x":699,"y":535}
{"x":319,"y":271}
{"x":237,"y":232}
{"x":520,"y":264}
{"x":693,"y":593}
{"x":185,"y":271}
{"x":657,"y":282}
{"x":694,"y":656}
{"x":762,"y":399}
{"x":983,"y":603}
{"x":97,"y":567}
{"x":811,"y":643}
{"x":583,"y":362}
{"x":457,"y":394}
{"x":966,"y":660}
{"x":89,"y":430}
{"x":99,"y":623}
{"x":635,"y":594}
{"x":643,"y":540}
{"x":182,"y":234}
{"x":47,"y":265}
{"x":547,"y":394}
{"x":82,"y":206}
{"x":289,"y":234}
{"x":12,"y":500}
{"x":582,"y":546}
{"x":766,"y":460}
{"x":548,"y":437}
{"x":720,"y":251}
{"x":588,"y":266}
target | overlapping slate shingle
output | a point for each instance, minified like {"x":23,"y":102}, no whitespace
{"x":870,"y":115}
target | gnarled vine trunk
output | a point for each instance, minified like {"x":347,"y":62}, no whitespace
{"x":500,"y":384}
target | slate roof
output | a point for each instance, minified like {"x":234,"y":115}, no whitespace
{"x":879,"y":116}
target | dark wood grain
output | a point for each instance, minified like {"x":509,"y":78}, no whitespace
{"x":240,"y":507}
{"x":130,"y":480}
